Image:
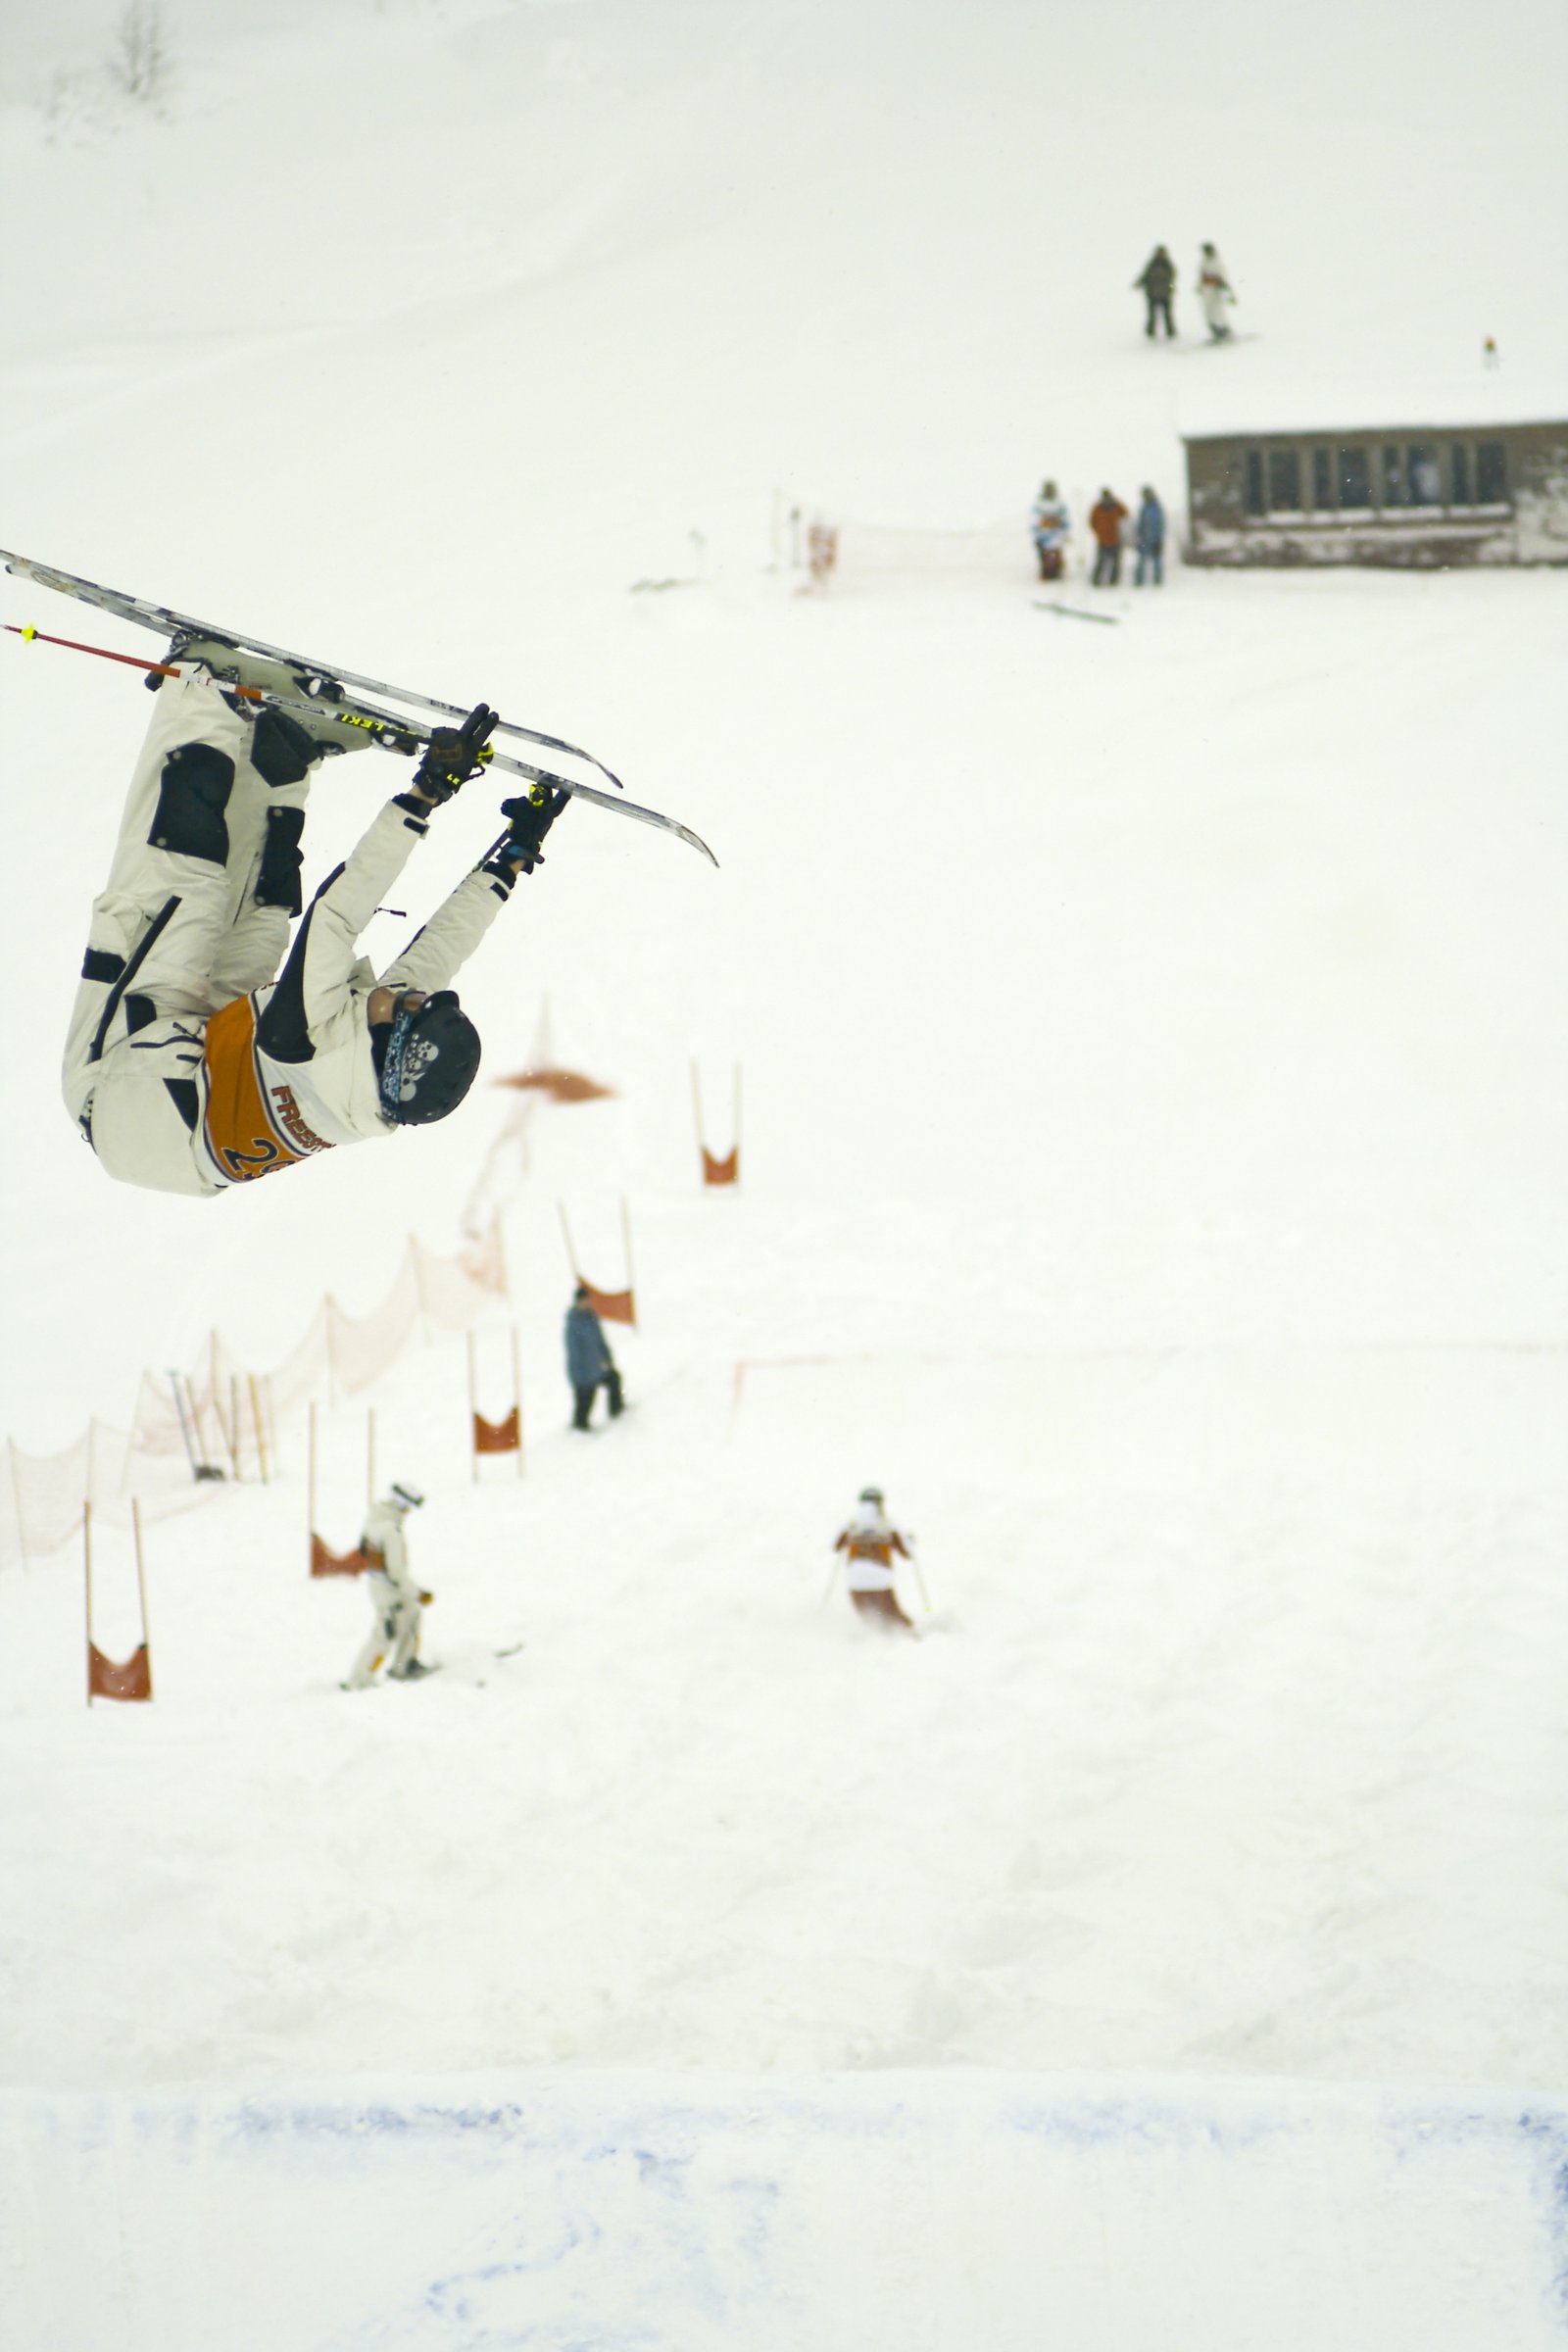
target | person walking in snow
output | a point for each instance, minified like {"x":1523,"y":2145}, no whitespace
{"x":1149,"y":537}
{"x":396,"y":1600}
{"x":590,"y":1366}
{"x":1105,"y":519}
{"x":1214,"y":292}
{"x":870,"y":1542}
{"x":1158,"y":285}
{"x":192,"y":1063}
{"x":1049,"y":526}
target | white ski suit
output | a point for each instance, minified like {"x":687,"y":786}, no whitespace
{"x":395,"y":1598}
{"x":1214,"y":292}
{"x":186,"y":1066}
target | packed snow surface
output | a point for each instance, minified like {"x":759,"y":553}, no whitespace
{"x":1150,"y":1038}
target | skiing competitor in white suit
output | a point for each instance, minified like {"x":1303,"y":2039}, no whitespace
{"x":868,"y":1542}
{"x":1214,"y":293}
{"x":188,"y":1066}
{"x":395,"y":1598}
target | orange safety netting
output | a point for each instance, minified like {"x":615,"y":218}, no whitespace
{"x":497,"y":1437}
{"x":561,"y":1086}
{"x":324,"y":1562}
{"x":721,"y":1171}
{"x":612,"y":1306}
{"x":191,"y":1435}
{"x":106,"y":1680}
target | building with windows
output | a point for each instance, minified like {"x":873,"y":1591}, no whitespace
{"x":1420,"y":494}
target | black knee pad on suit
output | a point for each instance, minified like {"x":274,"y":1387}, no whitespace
{"x":192,"y":796}
{"x":282,"y":750}
{"x":279,"y":882}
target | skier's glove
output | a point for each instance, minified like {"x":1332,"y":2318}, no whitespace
{"x":454,"y":753}
{"x":532,"y":815}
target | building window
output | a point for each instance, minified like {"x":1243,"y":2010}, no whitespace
{"x":1322,"y":478}
{"x":1355,"y":483}
{"x":1459,"y":474}
{"x":1492,"y":473}
{"x":1425,"y":483}
{"x":1283,"y":481}
{"x":1252,"y":494}
{"x":1394,"y":491}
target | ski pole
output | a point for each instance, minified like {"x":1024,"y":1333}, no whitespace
{"x":919,"y":1578}
{"x":161,"y":670}
{"x":832,"y":1580}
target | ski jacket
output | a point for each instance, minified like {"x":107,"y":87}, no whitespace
{"x":1158,"y":277}
{"x":1214,"y":290}
{"x":868,"y":1542}
{"x":1105,"y":519}
{"x":1151,"y":526}
{"x":385,"y":1545}
{"x":588,"y":1356}
{"x":1050,"y":521}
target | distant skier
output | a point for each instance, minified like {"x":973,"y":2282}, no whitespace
{"x":869,"y":1543}
{"x":1158,"y":285}
{"x":1050,"y":524}
{"x":188,"y":1066}
{"x":1105,"y":519}
{"x":590,"y":1366}
{"x":1149,"y":537}
{"x":1215,"y":293}
{"x":395,"y":1598}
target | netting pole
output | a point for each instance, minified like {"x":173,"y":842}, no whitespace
{"x":517,"y":1394}
{"x":86,"y":1577}
{"x":261,"y":1433}
{"x":737,"y":1138}
{"x":370,"y":1456}
{"x":309,"y":1480}
{"x":473,"y":1405}
{"x":625,"y":1238}
{"x":141,"y":1581}
{"x":565,"y":1233}
{"x":697,"y":1109}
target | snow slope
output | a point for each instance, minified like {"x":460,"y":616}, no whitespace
{"x":1152,"y":1143}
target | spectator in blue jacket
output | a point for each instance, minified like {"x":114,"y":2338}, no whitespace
{"x":1149,"y":536}
{"x":590,"y":1366}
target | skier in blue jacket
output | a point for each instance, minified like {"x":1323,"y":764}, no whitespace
{"x":590,"y":1366}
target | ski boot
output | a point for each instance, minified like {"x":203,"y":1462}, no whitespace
{"x":316,"y":701}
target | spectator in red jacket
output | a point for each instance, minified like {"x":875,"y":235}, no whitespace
{"x":1105,"y":519}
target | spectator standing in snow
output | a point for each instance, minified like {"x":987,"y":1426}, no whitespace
{"x":1105,"y":519}
{"x":590,"y":1366}
{"x":868,"y":1541}
{"x":1158,"y":285}
{"x":1148,"y":534}
{"x":1050,"y":524}
{"x":1214,"y":293}
{"x":394,"y":1598}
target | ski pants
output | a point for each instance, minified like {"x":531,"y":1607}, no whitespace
{"x":582,"y":1398}
{"x":1159,"y":308}
{"x":1107,"y":567}
{"x":214,"y":814}
{"x":393,"y":1634}
{"x":1150,"y":566}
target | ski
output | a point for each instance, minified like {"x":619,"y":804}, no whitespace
{"x":1106,"y":620}
{"x":323,"y":693}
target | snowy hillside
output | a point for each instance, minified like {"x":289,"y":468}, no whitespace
{"x":1151,"y":1036}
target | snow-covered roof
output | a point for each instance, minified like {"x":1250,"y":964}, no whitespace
{"x":1264,"y":396}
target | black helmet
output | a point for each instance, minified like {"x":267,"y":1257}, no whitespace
{"x":427,"y":1060}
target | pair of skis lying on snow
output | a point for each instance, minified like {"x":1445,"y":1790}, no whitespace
{"x":322,"y":692}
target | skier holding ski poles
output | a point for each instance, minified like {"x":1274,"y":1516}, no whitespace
{"x":868,"y":1541}
{"x":192,"y":1063}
